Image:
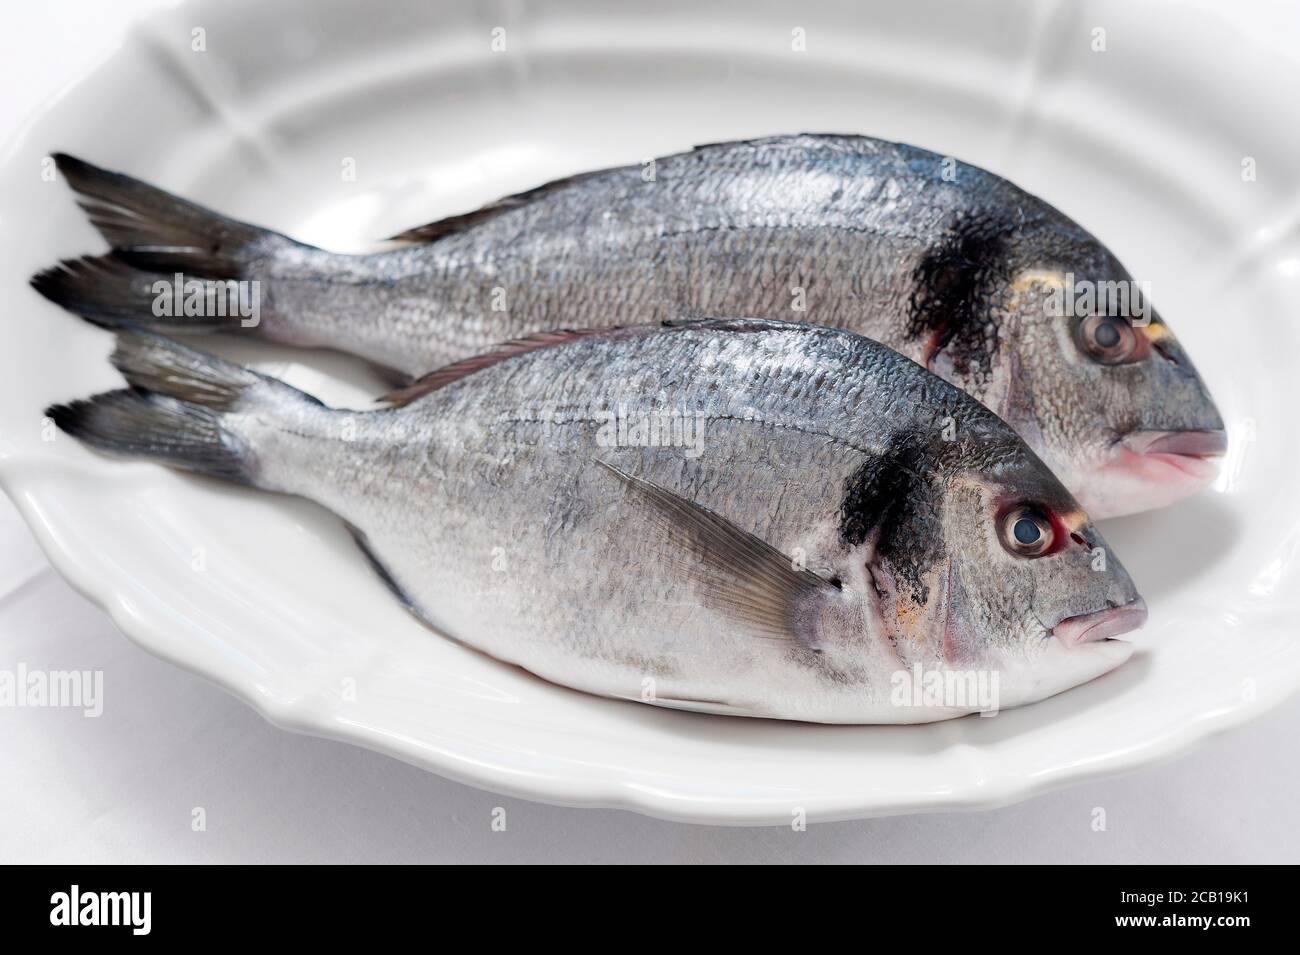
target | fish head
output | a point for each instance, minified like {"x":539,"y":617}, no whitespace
{"x":979,"y":561}
{"x":1034,"y":590}
{"x":1096,"y":381}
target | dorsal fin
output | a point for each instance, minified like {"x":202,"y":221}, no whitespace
{"x":433,"y":231}
{"x":447,"y":374}
{"x":457,"y":370}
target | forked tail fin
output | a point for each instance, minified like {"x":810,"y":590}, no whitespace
{"x":156,"y":231}
{"x":184,"y":408}
{"x":175,"y":265}
{"x":107,"y":291}
{"x":143,"y":424}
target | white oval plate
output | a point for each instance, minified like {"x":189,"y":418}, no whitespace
{"x":1143,"y":142}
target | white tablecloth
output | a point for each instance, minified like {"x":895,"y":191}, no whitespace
{"x":124,"y":787}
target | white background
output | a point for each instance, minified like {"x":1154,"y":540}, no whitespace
{"x":123,"y":787}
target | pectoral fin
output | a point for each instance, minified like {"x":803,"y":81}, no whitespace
{"x":736,"y":573}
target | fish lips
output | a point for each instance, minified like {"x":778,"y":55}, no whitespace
{"x":1192,"y":452}
{"x":1101,"y":625}
{"x":1149,"y":469}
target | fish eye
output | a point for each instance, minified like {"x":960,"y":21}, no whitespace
{"x":1026,"y":532}
{"x":1108,"y":340}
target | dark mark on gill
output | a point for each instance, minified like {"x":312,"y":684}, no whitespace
{"x":952,"y":284}
{"x":889,"y":497}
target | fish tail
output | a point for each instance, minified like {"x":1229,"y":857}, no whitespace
{"x":135,"y":424}
{"x":156,"y":230}
{"x":157,"y":236}
{"x":184,"y":408}
{"x":106,"y":291}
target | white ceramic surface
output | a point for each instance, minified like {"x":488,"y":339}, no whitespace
{"x":1143,"y":143}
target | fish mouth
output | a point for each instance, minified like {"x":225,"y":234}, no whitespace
{"x":1101,"y":625}
{"x":1148,"y":469}
{"x":1191,"y":452}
